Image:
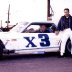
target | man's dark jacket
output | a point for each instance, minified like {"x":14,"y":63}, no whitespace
{"x":61,"y":24}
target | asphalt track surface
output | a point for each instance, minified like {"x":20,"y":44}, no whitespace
{"x":36,"y":63}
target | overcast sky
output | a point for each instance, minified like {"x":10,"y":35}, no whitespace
{"x":32,"y":10}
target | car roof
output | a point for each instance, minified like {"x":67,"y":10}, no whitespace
{"x":43,"y":23}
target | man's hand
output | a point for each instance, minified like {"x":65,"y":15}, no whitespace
{"x":56,"y":32}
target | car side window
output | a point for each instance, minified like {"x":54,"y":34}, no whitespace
{"x":40,"y":28}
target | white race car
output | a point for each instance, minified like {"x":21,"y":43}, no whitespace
{"x":23,"y":39}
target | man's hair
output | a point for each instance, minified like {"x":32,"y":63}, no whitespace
{"x":66,"y":9}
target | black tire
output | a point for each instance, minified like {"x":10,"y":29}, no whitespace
{"x":68,"y":48}
{"x":2,"y":46}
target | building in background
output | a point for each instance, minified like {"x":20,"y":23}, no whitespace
{"x":31,"y":10}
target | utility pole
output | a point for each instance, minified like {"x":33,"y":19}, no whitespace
{"x":1,"y":24}
{"x":8,"y":18}
{"x":50,"y":12}
{"x":48,"y":8}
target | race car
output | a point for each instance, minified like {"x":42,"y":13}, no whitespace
{"x":26,"y":39}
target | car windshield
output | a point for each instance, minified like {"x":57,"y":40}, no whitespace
{"x":20,"y":27}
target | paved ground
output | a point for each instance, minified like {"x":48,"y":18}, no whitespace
{"x":33,"y":63}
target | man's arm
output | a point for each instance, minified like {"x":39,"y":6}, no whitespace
{"x":58,"y":27}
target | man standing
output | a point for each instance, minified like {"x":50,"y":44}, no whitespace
{"x":64,"y":29}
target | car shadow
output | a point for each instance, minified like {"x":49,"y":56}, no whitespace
{"x":31,"y":56}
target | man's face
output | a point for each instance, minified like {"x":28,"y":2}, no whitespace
{"x":66,"y":12}
{"x":43,"y":28}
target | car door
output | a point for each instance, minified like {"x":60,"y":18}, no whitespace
{"x":33,"y":41}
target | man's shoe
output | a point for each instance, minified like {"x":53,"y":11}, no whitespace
{"x":61,"y":54}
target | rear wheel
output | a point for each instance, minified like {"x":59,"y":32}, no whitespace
{"x":68,"y":47}
{"x":2,"y":46}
